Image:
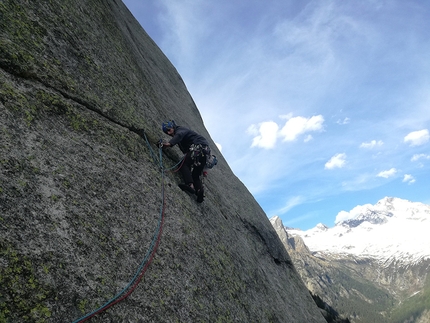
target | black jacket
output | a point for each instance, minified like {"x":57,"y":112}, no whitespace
{"x":184,"y":138}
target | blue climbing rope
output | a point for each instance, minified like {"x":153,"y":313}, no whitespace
{"x":127,"y":290}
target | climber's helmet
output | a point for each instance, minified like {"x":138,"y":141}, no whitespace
{"x":166,"y":125}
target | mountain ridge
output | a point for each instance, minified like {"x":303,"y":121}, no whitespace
{"x":362,"y":272}
{"x":392,"y":229}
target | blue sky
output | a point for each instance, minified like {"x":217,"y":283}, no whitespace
{"x":318,"y":106}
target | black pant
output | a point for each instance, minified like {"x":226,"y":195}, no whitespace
{"x":197,"y":170}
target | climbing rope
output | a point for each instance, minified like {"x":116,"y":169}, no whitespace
{"x":180,"y":163}
{"x":160,"y":146}
{"x":123,"y":294}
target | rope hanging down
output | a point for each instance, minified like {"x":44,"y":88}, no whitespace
{"x":149,"y":254}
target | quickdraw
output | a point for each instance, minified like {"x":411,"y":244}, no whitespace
{"x":197,"y":151}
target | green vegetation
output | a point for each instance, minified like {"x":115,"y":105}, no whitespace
{"x":99,"y":73}
{"x":71,"y":85}
{"x":365,"y":302}
{"x":414,"y":306}
{"x":21,"y":294}
{"x":82,"y":305}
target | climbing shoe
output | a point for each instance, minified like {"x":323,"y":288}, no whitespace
{"x":200,"y":195}
{"x":187,"y":188}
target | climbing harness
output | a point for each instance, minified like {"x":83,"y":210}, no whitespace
{"x":197,"y":151}
{"x":149,"y":254}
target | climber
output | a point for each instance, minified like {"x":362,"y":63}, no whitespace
{"x":196,"y":149}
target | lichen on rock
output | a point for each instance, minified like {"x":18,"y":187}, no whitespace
{"x":80,"y":193}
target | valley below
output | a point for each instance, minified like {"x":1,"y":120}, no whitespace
{"x":384,"y":285}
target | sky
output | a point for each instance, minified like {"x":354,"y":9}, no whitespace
{"x":317,"y":106}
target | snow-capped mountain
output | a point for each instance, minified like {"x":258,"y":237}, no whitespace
{"x":392,"y":229}
{"x":372,"y":266}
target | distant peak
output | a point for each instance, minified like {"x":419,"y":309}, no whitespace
{"x":321,"y":227}
{"x":393,"y":228}
{"x":276,"y":222}
{"x":387,"y":202}
{"x":274,"y":218}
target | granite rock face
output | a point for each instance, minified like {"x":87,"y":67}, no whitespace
{"x":81,"y":193}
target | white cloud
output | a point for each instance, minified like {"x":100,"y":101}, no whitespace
{"x":344,"y":121}
{"x":354,"y":213}
{"x":267,"y":133}
{"x":419,"y":156}
{"x":360,"y":182}
{"x":298,"y":125}
{"x":292,"y":202}
{"x":387,"y":173}
{"x":286,"y":116}
{"x":308,"y":138}
{"x":337,"y":161}
{"x":417,"y":138}
{"x":297,"y":61}
{"x":181,"y":24}
{"x":408,"y":179}
{"x":371,"y":144}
